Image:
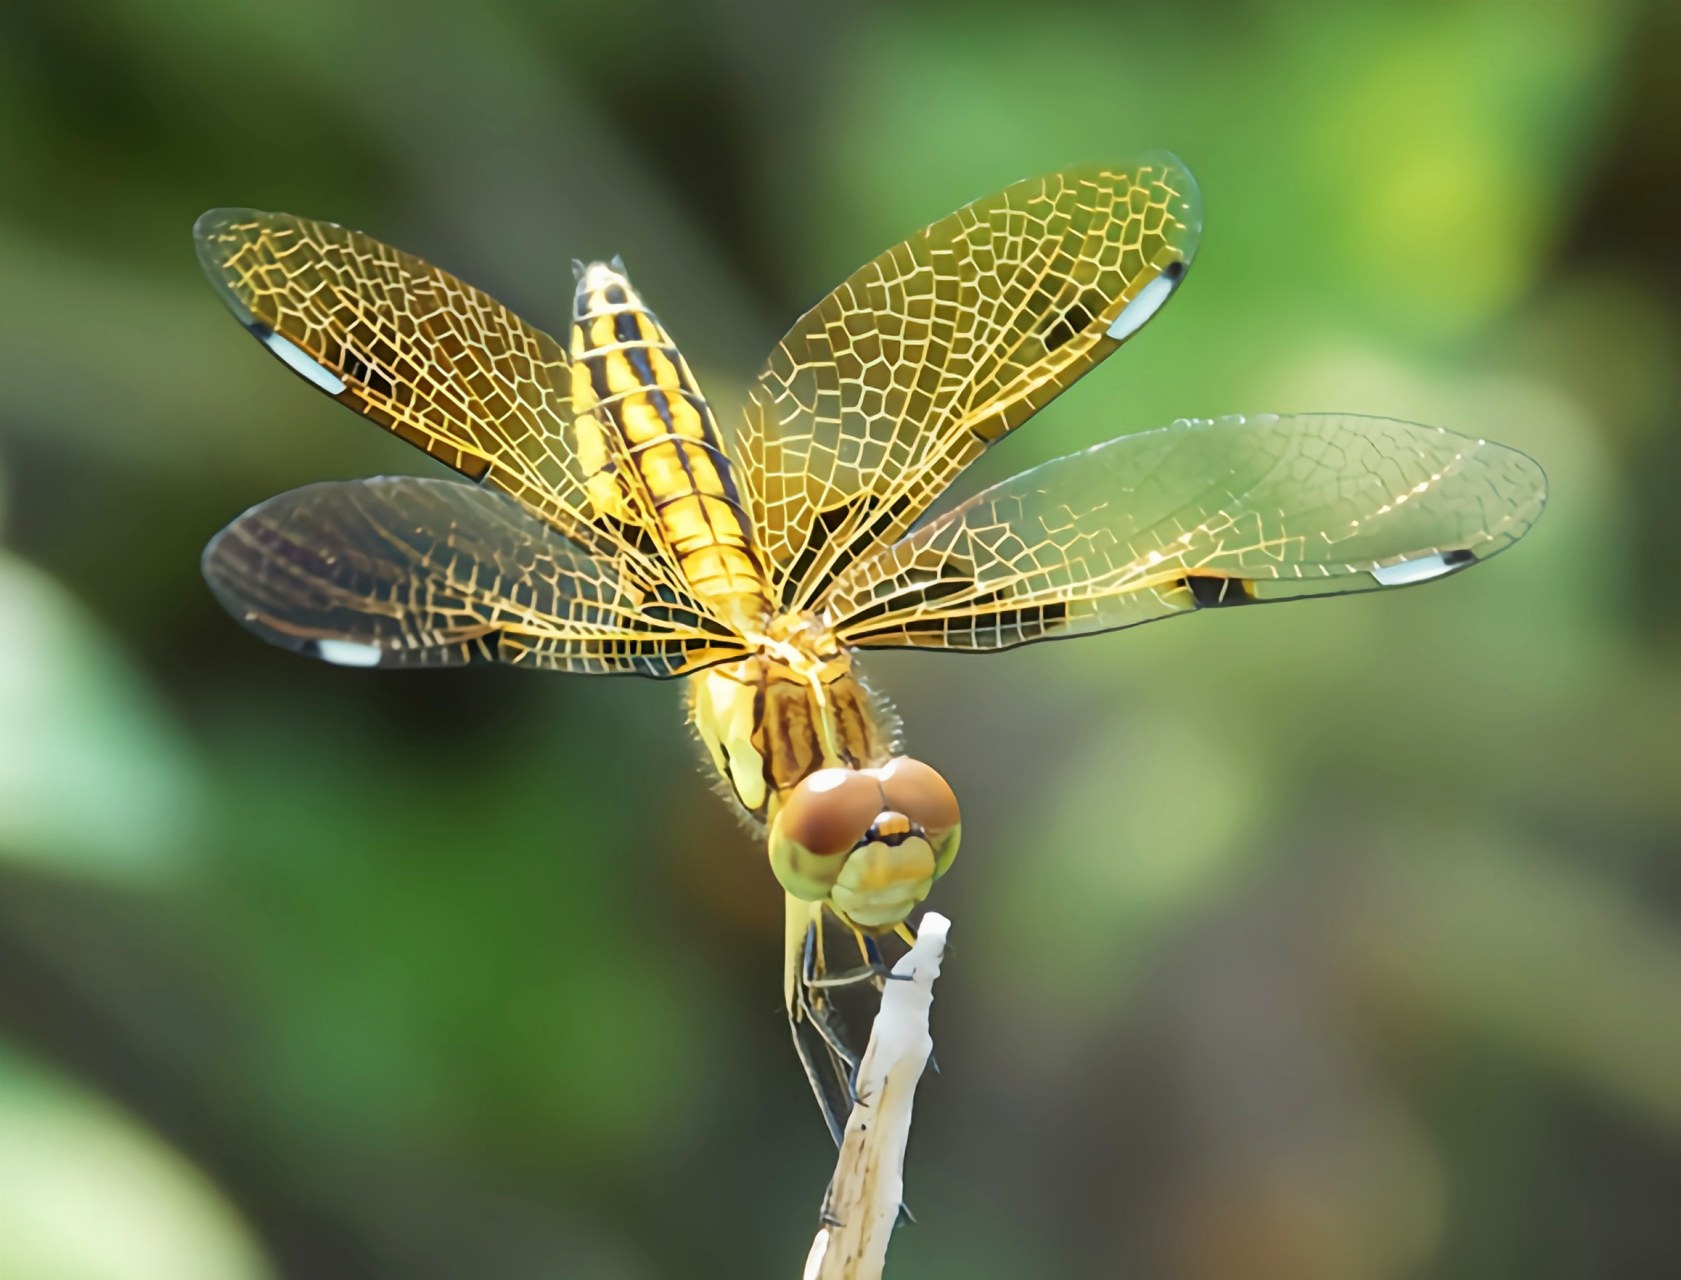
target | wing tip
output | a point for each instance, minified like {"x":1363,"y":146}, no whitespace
{"x":212,"y":220}
{"x":209,"y":230}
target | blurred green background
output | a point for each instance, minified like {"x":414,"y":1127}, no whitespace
{"x":1337,"y":942}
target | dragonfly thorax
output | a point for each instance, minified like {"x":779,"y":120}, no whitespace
{"x":801,"y":639}
{"x":794,"y":707}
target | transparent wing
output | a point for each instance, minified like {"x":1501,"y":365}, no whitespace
{"x":1196,"y":515}
{"x":429,"y":358}
{"x":882,"y":393}
{"x":404,"y":572}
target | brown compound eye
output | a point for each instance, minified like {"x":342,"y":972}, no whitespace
{"x":830,"y":810}
{"x":922,"y":795}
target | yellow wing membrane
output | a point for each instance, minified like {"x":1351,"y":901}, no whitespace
{"x":882,"y":393}
{"x":1196,"y":515}
{"x":429,"y":358}
{"x":404,"y":572}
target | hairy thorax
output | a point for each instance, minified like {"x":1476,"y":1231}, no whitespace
{"x":795,"y":707}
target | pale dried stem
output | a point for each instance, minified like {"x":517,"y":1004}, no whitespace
{"x":862,"y":1204}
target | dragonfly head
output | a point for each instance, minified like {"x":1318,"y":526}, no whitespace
{"x":872,"y":841}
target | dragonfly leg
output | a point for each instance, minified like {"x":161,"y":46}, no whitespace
{"x":819,"y":1031}
{"x":815,"y":1007}
{"x":866,"y":948}
{"x":871,"y":973}
{"x":819,"y":1034}
{"x":819,"y":1074}
{"x":866,"y":945}
{"x":874,"y":966}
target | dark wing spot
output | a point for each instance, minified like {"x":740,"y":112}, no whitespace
{"x":1210,"y":591}
{"x":1174,"y":269}
{"x":1065,"y":326}
{"x":1458,"y":557}
{"x":359,"y":370}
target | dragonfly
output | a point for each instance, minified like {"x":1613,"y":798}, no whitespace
{"x":606,"y":524}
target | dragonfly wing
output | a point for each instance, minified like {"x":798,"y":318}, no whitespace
{"x":405,"y":572}
{"x":429,"y":358}
{"x":1200,"y":514}
{"x":882,"y":393}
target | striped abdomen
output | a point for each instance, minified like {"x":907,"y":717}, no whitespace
{"x":630,"y":384}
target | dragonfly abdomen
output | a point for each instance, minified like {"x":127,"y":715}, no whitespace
{"x":649,"y":443}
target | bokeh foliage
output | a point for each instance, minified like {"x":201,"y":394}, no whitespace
{"x":1331,"y":941}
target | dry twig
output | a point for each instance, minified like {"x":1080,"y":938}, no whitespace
{"x":863,"y":1201}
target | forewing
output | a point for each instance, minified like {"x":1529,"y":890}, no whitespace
{"x":429,"y":358}
{"x":1196,"y":515}
{"x":405,"y":572}
{"x":882,"y":393}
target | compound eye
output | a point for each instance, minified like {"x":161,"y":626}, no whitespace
{"x":922,"y":795}
{"x":830,"y":810}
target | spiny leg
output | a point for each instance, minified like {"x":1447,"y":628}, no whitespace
{"x":830,"y":1065}
{"x":866,"y":945}
{"x":874,"y":969}
{"x":818,"y":1074}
